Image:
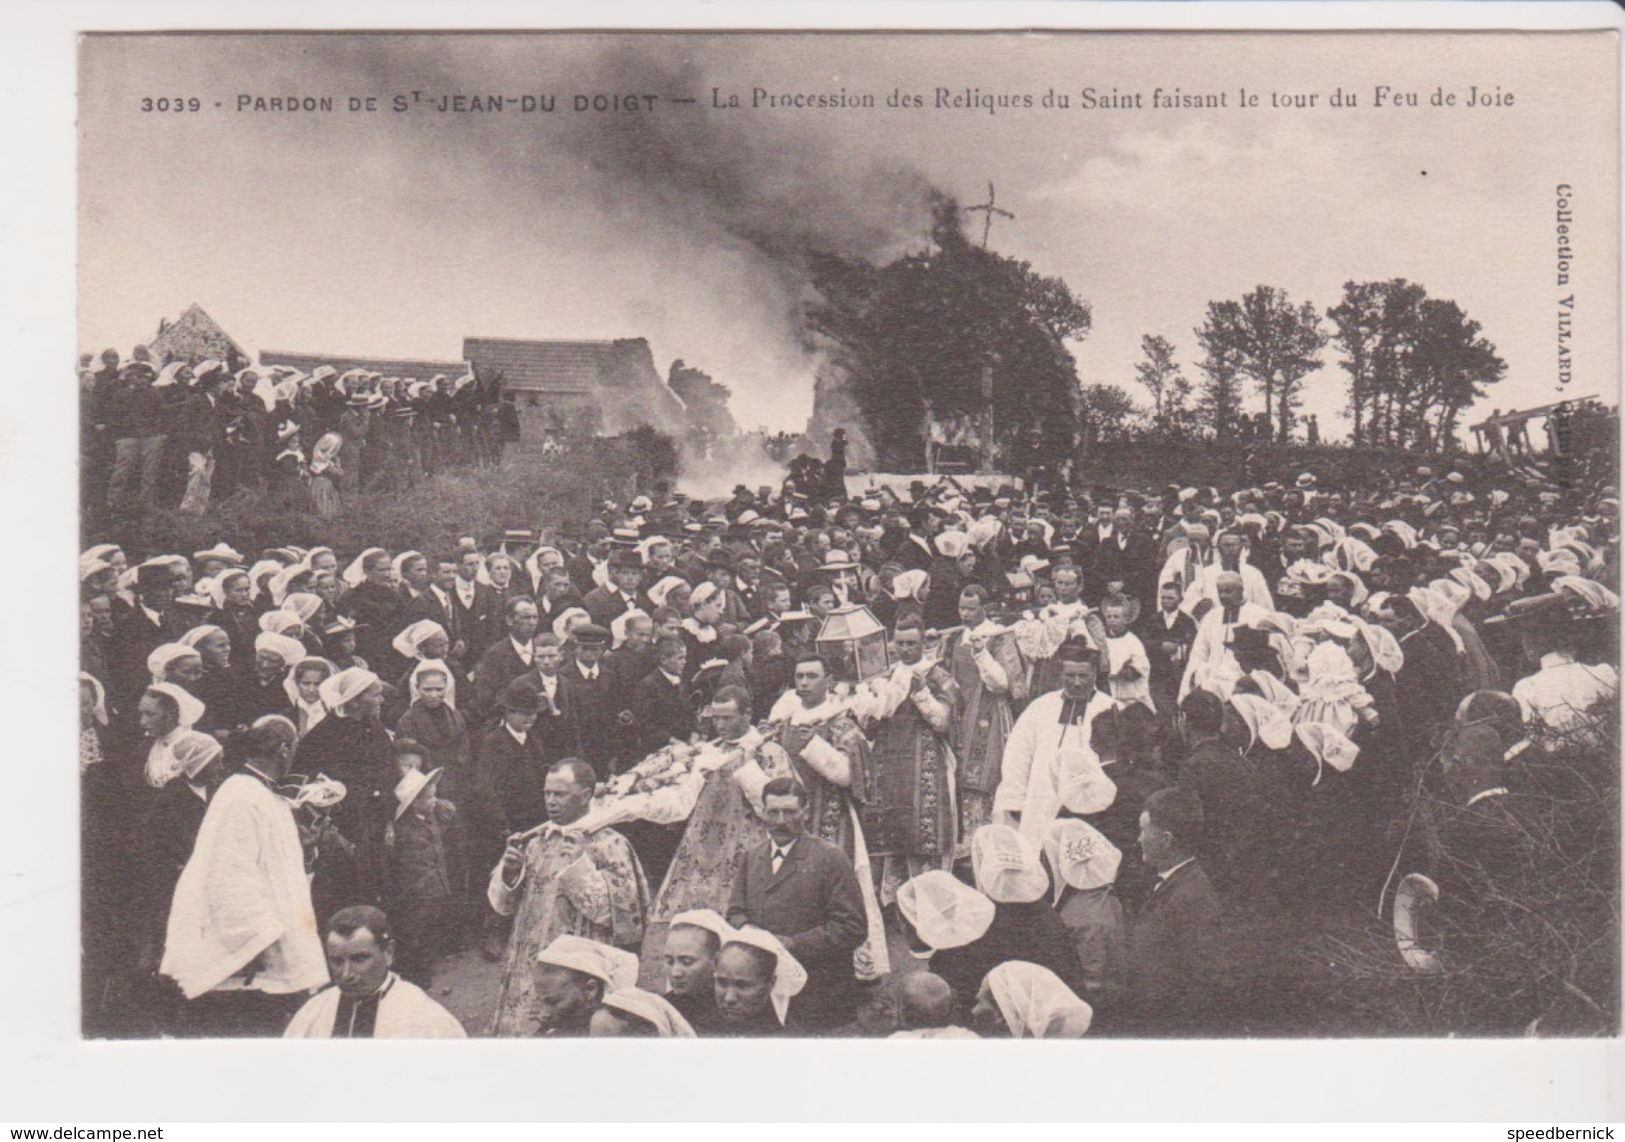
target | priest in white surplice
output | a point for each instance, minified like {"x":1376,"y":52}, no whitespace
{"x":1050,"y":762}
{"x":1212,"y":664}
{"x":367,"y":999}
{"x":241,"y":939}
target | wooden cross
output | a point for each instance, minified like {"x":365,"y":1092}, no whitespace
{"x":988,"y":210}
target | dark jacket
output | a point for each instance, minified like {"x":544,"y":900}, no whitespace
{"x":661,"y":711}
{"x":813,"y":905}
{"x":478,"y":625}
{"x":515,"y":774}
{"x":444,"y":733}
{"x":588,"y":711}
{"x":498,"y":666}
{"x":605,"y":607}
{"x":1242,"y":831}
{"x":382,"y":614}
{"x":1032,"y":932}
{"x":1174,"y":955}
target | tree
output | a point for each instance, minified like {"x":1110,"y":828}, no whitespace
{"x":913,"y":341}
{"x":1157,"y":371}
{"x":1414,"y":362}
{"x":1170,"y":391}
{"x":1219,"y":404}
{"x":1107,"y":411}
{"x":707,"y":401}
{"x":1271,"y":341}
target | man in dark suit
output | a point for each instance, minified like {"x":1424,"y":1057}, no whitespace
{"x":433,"y":600}
{"x":139,"y":630}
{"x":1128,"y":559}
{"x":476,"y":618}
{"x":558,"y":595}
{"x":1241,"y":825}
{"x":662,"y":706}
{"x":504,"y":660}
{"x":623,"y":668}
{"x":1167,"y":634}
{"x":606,"y":604}
{"x":1092,"y":550}
{"x":1175,"y":971}
{"x":804,"y":891}
{"x":584,"y":695}
{"x":511,"y":765}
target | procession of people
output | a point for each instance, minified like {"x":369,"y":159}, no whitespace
{"x":1096,"y":753}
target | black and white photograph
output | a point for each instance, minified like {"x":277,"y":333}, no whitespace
{"x":889,"y":535}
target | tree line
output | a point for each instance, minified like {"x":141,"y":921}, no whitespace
{"x":1413,"y":363}
{"x":964,"y":346}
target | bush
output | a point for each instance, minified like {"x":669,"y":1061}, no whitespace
{"x":526,"y":491}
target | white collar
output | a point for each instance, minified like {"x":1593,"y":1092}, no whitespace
{"x":465,"y":587}
{"x":522,"y":649}
{"x":675,"y":680}
{"x":1556,"y":658}
{"x":516,"y":735}
{"x":1163,"y":877}
{"x":587,"y":672}
{"x":150,"y":613}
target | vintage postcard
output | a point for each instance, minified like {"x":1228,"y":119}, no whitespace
{"x":886,"y":535}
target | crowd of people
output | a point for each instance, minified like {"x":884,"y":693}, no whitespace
{"x":180,"y":433}
{"x":1098,"y":753}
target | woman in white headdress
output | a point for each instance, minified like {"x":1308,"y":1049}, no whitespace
{"x":634,"y":1013}
{"x":325,"y":473}
{"x":1021,"y":1000}
{"x":1479,"y":670}
{"x":303,"y":688}
{"x":1083,"y":865}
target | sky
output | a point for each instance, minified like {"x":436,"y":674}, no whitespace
{"x":397,"y":234}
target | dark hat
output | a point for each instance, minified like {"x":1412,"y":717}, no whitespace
{"x":591,"y":634}
{"x":520,"y":698}
{"x":1250,"y":640}
{"x":340,"y":624}
{"x":1077,"y":649}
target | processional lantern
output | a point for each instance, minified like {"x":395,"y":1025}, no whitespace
{"x":853,"y":642}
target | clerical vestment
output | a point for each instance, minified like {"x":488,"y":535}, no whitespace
{"x":1050,"y":759}
{"x":989,"y":681}
{"x":574,"y":882}
{"x":1212,"y":664}
{"x":397,"y":1010}
{"x":724,"y":822}
{"x":909,"y":804}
